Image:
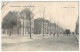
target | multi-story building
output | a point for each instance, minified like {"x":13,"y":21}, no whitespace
{"x":38,"y":26}
{"x":49,"y":28}
{"x":23,"y":22}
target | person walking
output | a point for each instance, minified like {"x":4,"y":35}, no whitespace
{"x":53,"y":34}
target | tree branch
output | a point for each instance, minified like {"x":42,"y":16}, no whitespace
{"x":4,"y":4}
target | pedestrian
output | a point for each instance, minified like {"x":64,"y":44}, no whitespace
{"x":53,"y":34}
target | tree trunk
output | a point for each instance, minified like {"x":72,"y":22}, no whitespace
{"x":23,"y":26}
{"x":6,"y":31}
{"x":18,"y":30}
{"x":30,"y":28}
{"x":10,"y":33}
{"x":43,"y":27}
{"x":50,"y":29}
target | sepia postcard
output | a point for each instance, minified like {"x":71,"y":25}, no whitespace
{"x":40,"y":25}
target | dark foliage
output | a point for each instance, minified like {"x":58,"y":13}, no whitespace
{"x":9,"y":21}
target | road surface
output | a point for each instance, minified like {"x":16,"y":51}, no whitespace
{"x":61,"y":43}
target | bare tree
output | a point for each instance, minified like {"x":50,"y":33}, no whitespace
{"x":31,"y":8}
{"x":4,"y":4}
{"x":50,"y":25}
{"x":28,"y":12}
{"x":43,"y":20}
{"x":30,"y":18}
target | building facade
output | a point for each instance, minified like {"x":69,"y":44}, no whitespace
{"x":38,"y":26}
{"x":48,"y":28}
{"x":23,"y":23}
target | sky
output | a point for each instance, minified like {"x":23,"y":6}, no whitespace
{"x":64,"y":14}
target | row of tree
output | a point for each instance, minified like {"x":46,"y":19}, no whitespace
{"x":11,"y":19}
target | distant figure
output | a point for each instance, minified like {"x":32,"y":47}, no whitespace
{"x":57,"y":34}
{"x":53,"y":34}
